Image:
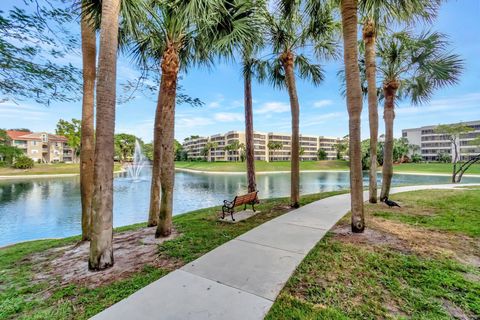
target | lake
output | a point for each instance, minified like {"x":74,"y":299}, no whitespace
{"x":50,"y":207}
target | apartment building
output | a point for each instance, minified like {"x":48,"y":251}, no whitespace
{"x":267,"y":146}
{"x":42,"y":146}
{"x":430,"y":143}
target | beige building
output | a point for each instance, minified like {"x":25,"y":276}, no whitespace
{"x":42,"y":146}
{"x":218,"y":147}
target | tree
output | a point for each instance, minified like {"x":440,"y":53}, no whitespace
{"x":31,"y":48}
{"x":234,"y":147}
{"x":208,"y":148}
{"x":322,"y":154}
{"x":290,"y":32}
{"x":71,"y":131}
{"x":354,"y":106}
{"x":453,"y":133}
{"x":8,"y":153}
{"x":190,"y":33}
{"x":101,"y":249}
{"x":378,"y":15}
{"x":341,"y":147}
{"x":274,"y":145}
{"x":125,"y":146}
{"x":87,"y":155}
{"x":411,"y":67}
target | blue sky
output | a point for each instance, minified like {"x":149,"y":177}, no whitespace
{"x":323,"y":109}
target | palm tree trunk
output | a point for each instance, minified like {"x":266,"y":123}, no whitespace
{"x":354,"y":106}
{"x":249,"y":145}
{"x":155,"y":189}
{"x":389,"y":90}
{"x":369,"y":34}
{"x":170,"y":67}
{"x":89,"y":48}
{"x":101,"y":250}
{"x":287,"y":59}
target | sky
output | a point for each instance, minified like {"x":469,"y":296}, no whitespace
{"x":322,"y":108}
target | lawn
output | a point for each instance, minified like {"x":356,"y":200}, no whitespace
{"x":47,"y":168}
{"x":27,"y":294}
{"x":420,"y":262}
{"x":262,"y":166}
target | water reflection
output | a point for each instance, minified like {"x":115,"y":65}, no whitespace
{"x":50,"y":207}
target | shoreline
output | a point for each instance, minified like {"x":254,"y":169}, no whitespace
{"x":48,"y":175}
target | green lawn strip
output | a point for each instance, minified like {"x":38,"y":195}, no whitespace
{"x":201,"y":232}
{"x":42,"y":168}
{"x":445,"y":168}
{"x":448,"y":210}
{"x":343,"y":280}
{"x":262,"y":166}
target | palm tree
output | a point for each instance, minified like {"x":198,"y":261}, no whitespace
{"x":411,"y":67}
{"x":354,"y":106}
{"x":290,"y":33}
{"x":379,"y":14}
{"x":87,"y":144}
{"x":208,"y":148}
{"x":101,"y":250}
{"x":178,"y":34}
{"x":274,"y":145}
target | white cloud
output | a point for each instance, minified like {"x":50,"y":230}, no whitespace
{"x":24,"y":111}
{"x":322,"y":103}
{"x":192,"y":122}
{"x":217,"y":103}
{"x":323,"y":118}
{"x":460,"y":103}
{"x":273,"y":107}
{"x":228,"y":117}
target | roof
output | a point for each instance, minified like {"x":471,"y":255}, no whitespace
{"x":22,"y":135}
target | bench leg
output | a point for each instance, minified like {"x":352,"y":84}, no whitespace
{"x":253,"y":206}
{"x":231,"y":213}
{"x":223,"y":212}
{"x":245,"y":207}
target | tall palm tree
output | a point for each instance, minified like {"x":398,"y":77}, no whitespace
{"x":375,"y":15}
{"x":89,"y":48}
{"x":292,"y":33}
{"x":411,"y":67}
{"x":354,"y":106}
{"x":101,"y":250}
{"x":180,"y":33}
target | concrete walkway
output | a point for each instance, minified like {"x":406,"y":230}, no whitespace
{"x":241,"y":278}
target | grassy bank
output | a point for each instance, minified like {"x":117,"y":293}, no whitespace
{"x":46,"y":168}
{"x":420,"y":262}
{"x":32,"y":287}
{"x":262,"y":166}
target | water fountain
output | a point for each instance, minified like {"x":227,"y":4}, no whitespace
{"x":139,"y":164}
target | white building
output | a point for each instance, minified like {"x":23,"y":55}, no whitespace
{"x":309,"y":146}
{"x":431,"y":143}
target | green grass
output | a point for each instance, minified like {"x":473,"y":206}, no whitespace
{"x":47,"y":168}
{"x":446,"y":210}
{"x":262,"y":166}
{"x":444,"y":168}
{"x":359,"y":280}
{"x":21,"y":298}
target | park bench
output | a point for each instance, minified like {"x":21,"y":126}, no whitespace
{"x":229,"y":206}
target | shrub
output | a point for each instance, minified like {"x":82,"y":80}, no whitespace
{"x":23,"y":163}
{"x":322,"y":154}
{"x":416,"y":158}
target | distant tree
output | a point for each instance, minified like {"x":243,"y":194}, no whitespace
{"x":72,"y":131}
{"x":453,"y":133}
{"x":208,"y":147}
{"x":444,"y":157}
{"x":400,"y":149}
{"x":148,"y":150}
{"x":274,"y":146}
{"x":21,"y":129}
{"x":301,"y":152}
{"x":322,"y":154}
{"x":8,"y":153}
{"x":235,"y":146}
{"x":341,"y":148}
{"x":125,"y":145}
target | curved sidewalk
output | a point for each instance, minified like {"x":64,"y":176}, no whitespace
{"x":241,"y":278}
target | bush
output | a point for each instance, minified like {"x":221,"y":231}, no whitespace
{"x":3,"y":164}
{"x":322,"y":154}
{"x":23,"y":163}
{"x":416,"y":158}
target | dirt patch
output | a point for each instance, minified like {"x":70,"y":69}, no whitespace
{"x":132,"y":251}
{"x":454,"y":311}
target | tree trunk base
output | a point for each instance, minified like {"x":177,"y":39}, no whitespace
{"x":162,"y":233}
{"x":358,"y":227}
{"x":105,"y":261}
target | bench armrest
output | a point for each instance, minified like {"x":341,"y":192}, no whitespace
{"x":227,"y":203}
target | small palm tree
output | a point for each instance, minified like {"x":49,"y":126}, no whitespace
{"x":208,"y":148}
{"x":292,"y":32}
{"x":376,"y":15}
{"x":411,"y":67}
